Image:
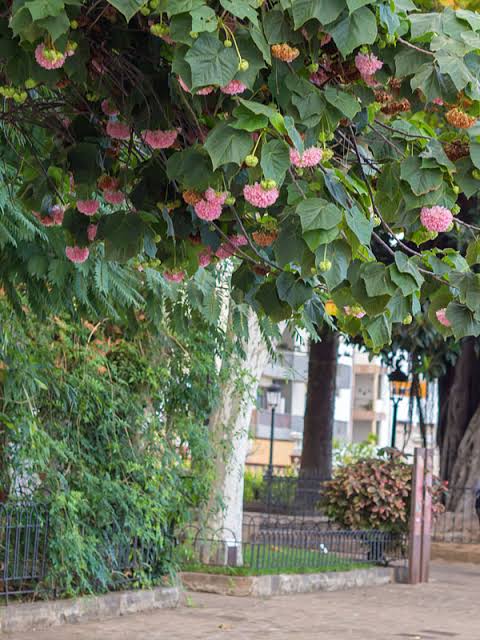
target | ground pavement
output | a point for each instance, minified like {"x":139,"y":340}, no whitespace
{"x":448,"y":607}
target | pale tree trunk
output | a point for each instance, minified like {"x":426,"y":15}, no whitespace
{"x":229,"y":426}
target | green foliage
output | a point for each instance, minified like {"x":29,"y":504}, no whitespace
{"x":393,"y":143}
{"x":108,"y":427}
{"x":374,"y":493}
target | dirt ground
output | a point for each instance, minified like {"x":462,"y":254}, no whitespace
{"x":447,"y":607}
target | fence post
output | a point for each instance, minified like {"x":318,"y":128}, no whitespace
{"x":427,"y":516}
{"x":416,"y":518}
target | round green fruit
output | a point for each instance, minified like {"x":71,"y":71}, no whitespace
{"x":251,"y":160}
{"x":243,"y":65}
{"x":325,"y":265}
{"x":227,"y":43}
{"x":408,"y":319}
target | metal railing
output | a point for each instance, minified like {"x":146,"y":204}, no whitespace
{"x":23,"y":547}
{"x":460,"y":522}
{"x":276,"y":547}
{"x":293,"y":495}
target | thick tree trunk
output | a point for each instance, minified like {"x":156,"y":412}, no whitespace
{"x":319,"y":414}
{"x":463,"y":401}
{"x":229,"y":426}
{"x":466,"y":470}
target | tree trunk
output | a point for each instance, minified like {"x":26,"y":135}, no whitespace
{"x":229,"y":426}
{"x":319,"y":414}
{"x":463,"y":401}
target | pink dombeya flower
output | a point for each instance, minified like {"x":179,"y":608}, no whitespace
{"x":92,"y":232}
{"x":45,"y":62}
{"x":210,"y":206}
{"x":438,"y":101}
{"x":436,"y":218}
{"x":442,"y":317}
{"x":113,"y":197}
{"x":205,"y":258}
{"x":309,"y":158}
{"x":174,"y":276}
{"x":238,"y":241}
{"x":77,"y":254}
{"x":367,"y":64}
{"x":233,"y":88}
{"x":319,"y":78}
{"x":88,"y":207}
{"x":201,"y":92}
{"x":118,"y":130}
{"x":258,"y":196}
{"x":108,"y":108}
{"x":53,"y":218}
{"x":158,"y":139}
{"x":225,"y":250}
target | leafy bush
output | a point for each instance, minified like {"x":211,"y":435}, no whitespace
{"x":111,"y":431}
{"x":374,"y":493}
{"x":347,"y":453}
{"x":252,"y":485}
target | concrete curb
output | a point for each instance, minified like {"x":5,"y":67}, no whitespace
{"x":283,"y":584}
{"x":30,"y":616}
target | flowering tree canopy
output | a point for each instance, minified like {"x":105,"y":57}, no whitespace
{"x":324,"y":143}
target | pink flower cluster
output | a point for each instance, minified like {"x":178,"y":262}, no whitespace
{"x":92,"y":232}
{"x":45,"y":62}
{"x":88,"y":207}
{"x":158,"y":139}
{"x":54,"y":218}
{"x":113,"y":197}
{"x":228,"y":249}
{"x":442,"y":317}
{"x":118,"y":130}
{"x":77,"y":254}
{"x":309,"y":158}
{"x":258,"y":196}
{"x":205,"y":258}
{"x":108,"y":108}
{"x":368,"y":64}
{"x":233,"y":88}
{"x":210,"y":206}
{"x":436,"y":218}
{"x":201,"y":92}
{"x":174,"y":276}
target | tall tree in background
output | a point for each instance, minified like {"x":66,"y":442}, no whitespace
{"x":319,"y":413}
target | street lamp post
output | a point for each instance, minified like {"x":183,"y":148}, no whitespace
{"x":398,"y":388}
{"x":273,"y":400}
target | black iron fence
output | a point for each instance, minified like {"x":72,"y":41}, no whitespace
{"x":294,"y":495}
{"x":24,"y":552}
{"x":460,"y":522}
{"x":23,"y":547}
{"x":289,"y":547}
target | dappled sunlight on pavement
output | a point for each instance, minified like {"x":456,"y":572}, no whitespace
{"x":448,"y":607}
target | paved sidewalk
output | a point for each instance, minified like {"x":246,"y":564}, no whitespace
{"x":446,"y":608}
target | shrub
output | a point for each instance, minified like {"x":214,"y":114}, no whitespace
{"x":374,"y":493}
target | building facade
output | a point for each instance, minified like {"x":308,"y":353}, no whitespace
{"x":362,"y":405}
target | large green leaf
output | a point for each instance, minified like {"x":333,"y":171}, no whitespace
{"x":204,"y":19}
{"x":242,"y":9}
{"x":317,"y":213}
{"x":421,"y":180}
{"x":123,"y":235}
{"x":275,"y":160}
{"x":292,"y":290}
{"x":276,"y":309}
{"x":468,"y":285}
{"x":340,"y":255}
{"x":225,"y":145}
{"x":356,"y":29}
{"x":379,"y":331}
{"x":359,"y":224}
{"x":407,"y":265}
{"x":325,"y":11}
{"x":347,"y":104}
{"x":128,"y":8}
{"x":44,"y":8}
{"x":464,"y":321}
{"x":377,"y":279}
{"x":211,"y":62}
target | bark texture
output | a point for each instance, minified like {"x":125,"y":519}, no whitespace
{"x":316,"y":456}
{"x":466,"y":470}
{"x":463,"y":400}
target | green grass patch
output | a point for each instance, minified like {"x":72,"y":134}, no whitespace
{"x":252,"y":571}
